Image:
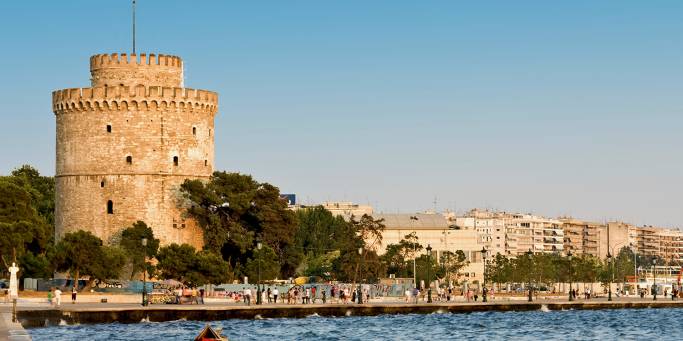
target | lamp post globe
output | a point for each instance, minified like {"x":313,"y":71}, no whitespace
{"x":484,"y":290}
{"x":429,"y":273}
{"x":143,"y":241}
{"x":569,"y":277}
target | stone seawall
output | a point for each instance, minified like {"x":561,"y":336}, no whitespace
{"x":32,"y":318}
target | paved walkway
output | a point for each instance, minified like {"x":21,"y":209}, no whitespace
{"x":9,"y":330}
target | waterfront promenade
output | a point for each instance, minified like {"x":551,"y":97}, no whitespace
{"x":39,"y":315}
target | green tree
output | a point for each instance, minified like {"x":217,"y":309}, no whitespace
{"x":398,"y":257}
{"x":369,"y":229}
{"x":234,"y":210}
{"x":131,"y":242}
{"x":427,"y":269}
{"x":176,"y":262}
{"x":270,"y":267}
{"x":321,"y":266}
{"x":210,"y":268}
{"x":182,"y":263}
{"x":452,"y":263}
{"x":623,"y":264}
{"x":42,"y":190}
{"x":23,"y":230}
{"x":82,"y":254}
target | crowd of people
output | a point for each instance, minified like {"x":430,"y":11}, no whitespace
{"x":303,"y":294}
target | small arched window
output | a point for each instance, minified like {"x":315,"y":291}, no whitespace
{"x":206,"y":163}
{"x":194,"y":131}
{"x":109,"y":128}
{"x":110,"y":207}
{"x":129,"y":160}
{"x":175,"y":161}
{"x":102,"y":183}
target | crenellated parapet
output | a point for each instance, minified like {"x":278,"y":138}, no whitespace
{"x":139,"y":97}
{"x":122,"y":69}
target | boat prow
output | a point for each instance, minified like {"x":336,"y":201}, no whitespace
{"x":210,"y":334}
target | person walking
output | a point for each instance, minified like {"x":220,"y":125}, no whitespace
{"x":73,"y":295}
{"x":58,"y":297}
{"x":270,"y":295}
{"x":49,"y":296}
{"x":275,"y":294}
{"x":313,"y":293}
{"x":324,"y":296}
{"x":247,"y":296}
{"x":194,"y":300}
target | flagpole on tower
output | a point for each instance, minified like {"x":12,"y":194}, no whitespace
{"x":133,"y":26}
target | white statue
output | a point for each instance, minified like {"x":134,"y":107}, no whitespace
{"x":13,"y":283}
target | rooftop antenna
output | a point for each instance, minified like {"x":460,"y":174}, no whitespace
{"x":133,"y":26}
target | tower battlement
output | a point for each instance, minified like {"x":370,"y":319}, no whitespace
{"x":123,"y":69}
{"x":114,"y":59}
{"x":139,"y":96}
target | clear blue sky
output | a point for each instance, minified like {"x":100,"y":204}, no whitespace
{"x":550,"y":107}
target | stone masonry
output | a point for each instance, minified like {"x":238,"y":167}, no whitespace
{"x":125,"y":144}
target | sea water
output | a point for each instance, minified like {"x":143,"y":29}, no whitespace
{"x":618,"y":324}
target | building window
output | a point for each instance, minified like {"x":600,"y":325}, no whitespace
{"x":110,"y":207}
{"x":206,"y":163}
{"x":129,"y":160}
{"x":209,"y":132}
{"x":194,"y":131}
{"x":109,"y":128}
{"x":175,"y":161}
{"x":102,"y":183}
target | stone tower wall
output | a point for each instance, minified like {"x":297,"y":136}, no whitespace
{"x":132,"y":144}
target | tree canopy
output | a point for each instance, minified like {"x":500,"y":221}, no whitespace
{"x":234,"y":211}
{"x":131,"y":242}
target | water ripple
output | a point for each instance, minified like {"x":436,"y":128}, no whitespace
{"x":626,"y":324}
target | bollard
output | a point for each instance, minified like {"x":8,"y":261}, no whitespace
{"x":14,"y":310}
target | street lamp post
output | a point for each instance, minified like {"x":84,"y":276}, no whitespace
{"x":429,"y":274}
{"x":654,"y":279}
{"x":144,"y":271}
{"x":609,"y":266}
{"x":258,"y":283}
{"x":530,"y":254}
{"x":359,"y":294}
{"x":569,"y":258}
{"x":483,"y":291}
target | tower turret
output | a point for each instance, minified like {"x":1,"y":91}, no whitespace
{"x":114,"y":69}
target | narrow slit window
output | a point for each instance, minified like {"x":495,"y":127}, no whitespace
{"x":109,"y":128}
{"x":209,"y":132}
{"x":175,"y":161}
{"x":102,"y":183}
{"x":110,"y":207}
{"x":194,"y":131}
{"x":129,"y":160}
{"x":206,"y":163}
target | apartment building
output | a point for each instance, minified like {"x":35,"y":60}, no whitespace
{"x":583,"y":237}
{"x":530,"y":232}
{"x":489,"y":226}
